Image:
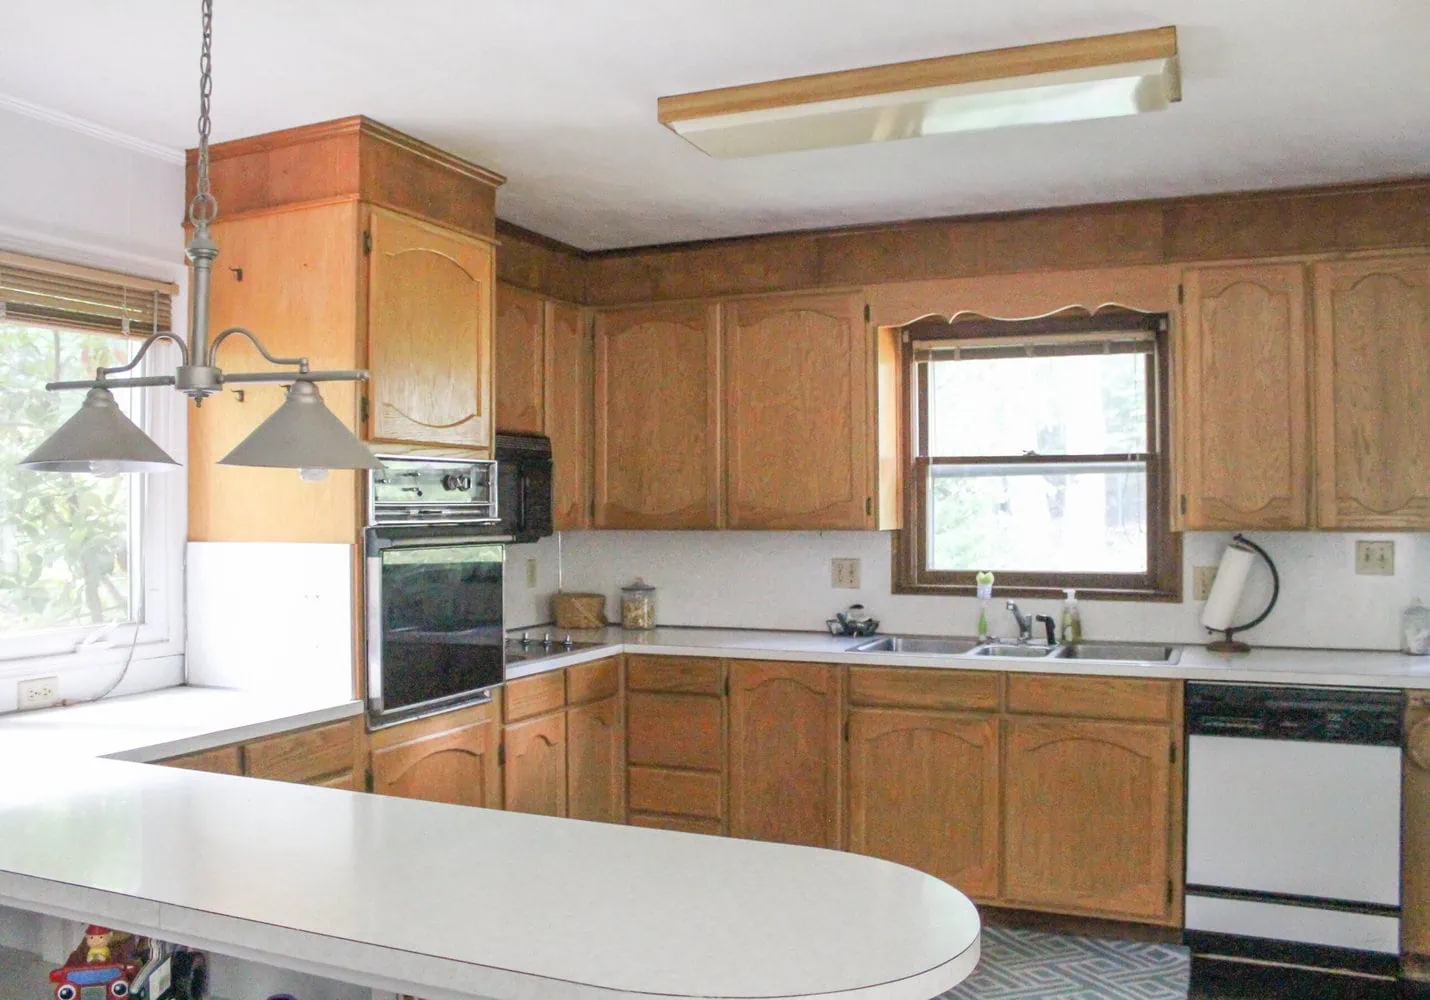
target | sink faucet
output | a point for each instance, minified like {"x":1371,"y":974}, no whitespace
{"x":1025,"y":624}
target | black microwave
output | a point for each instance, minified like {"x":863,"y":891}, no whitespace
{"x":524,"y":486}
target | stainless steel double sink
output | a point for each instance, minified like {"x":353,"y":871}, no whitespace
{"x":1107,"y":652}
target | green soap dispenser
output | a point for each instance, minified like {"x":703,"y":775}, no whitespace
{"x":1072,"y":618}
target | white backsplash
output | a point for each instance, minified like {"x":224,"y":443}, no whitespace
{"x":781,"y":580}
{"x":531,"y":605}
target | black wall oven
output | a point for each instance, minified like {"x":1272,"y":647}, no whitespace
{"x":434,"y":587}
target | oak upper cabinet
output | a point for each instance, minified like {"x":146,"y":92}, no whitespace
{"x":450,"y":757}
{"x":568,"y":415}
{"x":657,"y":420}
{"x":923,"y":791}
{"x":429,"y":334}
{"x":520,"y":361}
{"x":785,"y":752}
{"x":535,"y":775}
{"x":1373,"y":393}
{"x":1244,"y":409}
{"x":595,"y":742}
{"x":797,"y":413}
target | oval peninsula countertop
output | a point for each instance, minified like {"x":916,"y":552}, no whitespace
{"x":445,"y":901}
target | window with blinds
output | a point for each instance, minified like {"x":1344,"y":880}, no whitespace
{"x":1038,"y":453}
{"x":73,"y":548}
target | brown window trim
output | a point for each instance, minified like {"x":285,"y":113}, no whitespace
{"x":1162,"y":582}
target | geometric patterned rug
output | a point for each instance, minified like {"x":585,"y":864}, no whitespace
{"x":1032,"y":965}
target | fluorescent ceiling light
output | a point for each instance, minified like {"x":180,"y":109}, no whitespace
{"x":1102,"y":77}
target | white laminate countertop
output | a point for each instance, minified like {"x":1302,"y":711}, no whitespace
{"x":1336,"y":668}
{"x":444,"y":901}
{"x":160,"y":724}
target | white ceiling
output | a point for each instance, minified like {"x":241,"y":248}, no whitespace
{"x":560,"y":95}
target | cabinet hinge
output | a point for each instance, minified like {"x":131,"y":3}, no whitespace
{"x":1181,"y":293}
{"x":362,"y":409}
{"x":1172,"y":753}
{"x":1184,"y":503}
{"x":727,"y":685}
{"x":846,"y":730}
{"x":868,"y":505}
{"x":866,"y":312}
{"x":367,"y":785}
{"x":501,"y":755}
{"x":1169,"y":892}
{"x":366,"y":242}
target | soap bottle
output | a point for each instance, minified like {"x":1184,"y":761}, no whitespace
{"x":984,"y":581}
{"x":1072,"y":618}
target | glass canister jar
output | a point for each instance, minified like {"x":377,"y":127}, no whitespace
{"x":1415,"y":630}
{"x":638,"y":605}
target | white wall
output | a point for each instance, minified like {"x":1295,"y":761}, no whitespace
{"x":530,"y":603}
{"x":781,"y":580}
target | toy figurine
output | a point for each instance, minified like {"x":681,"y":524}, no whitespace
{"x":97,"y":940}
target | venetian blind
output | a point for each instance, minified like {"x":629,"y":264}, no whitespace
{"x":48,"y":292}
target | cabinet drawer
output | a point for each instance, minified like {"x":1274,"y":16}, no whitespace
{"x":894,"y":687}
{"x":305,"y":755}
{"x":347,"y":781}
{"x":1118,"y":698}
{"x":220,"y":760}
{"x":681,"y":824}
{"x":592,"y":681}
{"x":535,"y":695}
{"x":684,"y":793}
{"x":677,"y":674}
{"x":675,"y":730}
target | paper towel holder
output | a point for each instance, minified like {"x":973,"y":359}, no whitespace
{"x":1228,"y":642}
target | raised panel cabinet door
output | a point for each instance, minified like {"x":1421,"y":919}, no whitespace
{"x":520,"y":374}
{"x":429,"y":334}
{"x":1244,"y":403}
{"x":785,"y":752}
{"x":797,"y":413}
{"x":657,"y":453}
{"x":595,"y":770}
{"x":1373,"y":393}
{"x":1086,"y":821}
{"x":535,"y":776}
{"x":568,"y":415}
{"x":923,"y":791}
{"x":457,"y":765}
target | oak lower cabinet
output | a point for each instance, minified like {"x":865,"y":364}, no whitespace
{"x":675,"y":743}
{"x":923,"y":791}
{"x":1244,"y":415}
{"x":1372,"y":322}
{"x":657,"y":417}
{"x":219,"y":760}
{"x":1415,"y":839}
{"x":450,"y":757}
{"x":785,"y":756}
{"x":563,"y":743}
{"x":1092,"y":806}
{"x":334,"y":755}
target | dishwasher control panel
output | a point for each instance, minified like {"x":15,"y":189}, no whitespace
{"x":1364,"y":716}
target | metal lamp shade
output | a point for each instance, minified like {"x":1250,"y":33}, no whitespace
{"x":302,"y":434}
{"x":100,"y":439}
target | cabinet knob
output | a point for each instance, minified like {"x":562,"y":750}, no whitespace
{"x":1417,"y":744}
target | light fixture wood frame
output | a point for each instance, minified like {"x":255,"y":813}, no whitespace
{"x":920,"y":74}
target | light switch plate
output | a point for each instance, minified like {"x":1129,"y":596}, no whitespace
{"x":1375,"y":558}
{"x":844,"y":574}
{"x":1202,"y":579}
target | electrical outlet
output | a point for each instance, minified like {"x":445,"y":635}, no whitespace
{"x":531,"y":574}
{"x":38,"y":692}
{"x":1375,"y":558}
{"x":844,"y":574}
{"x":1202,"y":579}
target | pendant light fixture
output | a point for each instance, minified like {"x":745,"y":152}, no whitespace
{"x":301,"y":434}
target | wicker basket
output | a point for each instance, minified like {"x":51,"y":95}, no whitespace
{"x":579,"y":610}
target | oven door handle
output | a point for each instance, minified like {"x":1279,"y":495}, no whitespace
{"x":377,"y":543}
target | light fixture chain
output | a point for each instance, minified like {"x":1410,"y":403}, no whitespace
{"x":204,"y":208}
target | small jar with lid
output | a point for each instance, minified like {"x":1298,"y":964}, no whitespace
{"x":1415,"y":630}
{"x":638,"y":605}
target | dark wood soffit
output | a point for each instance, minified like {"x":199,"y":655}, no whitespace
{"x":1366,"y":216}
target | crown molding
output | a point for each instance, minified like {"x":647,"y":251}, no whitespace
{"x":93,"y":129}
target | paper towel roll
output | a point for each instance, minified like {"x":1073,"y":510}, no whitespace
{"x":1227,"y":590}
